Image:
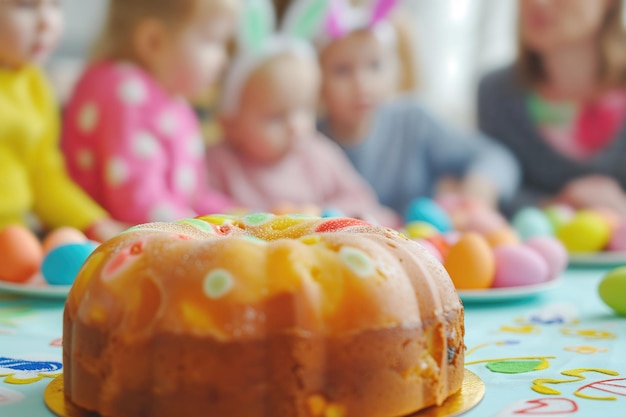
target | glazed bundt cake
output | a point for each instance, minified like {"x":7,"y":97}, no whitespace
{"x":262,"y":316}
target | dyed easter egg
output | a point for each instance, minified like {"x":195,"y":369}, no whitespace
{"x":432,"y":249}
{"x":503,"y":236}
{"x":612,"y":290}
{"x":426,"y":210}
{"x":62,"y":236}
{"x":452,"y":237}
{"x":61,"y":264}
{"x":618,"y":239}
{"x":518,"y":266}
{"x":450,"y":201}
{"x":587,"y":232}
{"x":420,"y":230}
{"x":558,"y":215}
{"x":552,"y":251}
{"x":20,"y":254}
{"x":530,"y":222}
{"x":610,"y":216}
{"x":332,"y":212}
{"x":484,"y":221}
{"x":470,"y":262}
{"x":441,"y":243}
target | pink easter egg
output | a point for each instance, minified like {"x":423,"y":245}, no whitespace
{"x":449,"y":201}
{"x":552,"y":251}
{"x":452,"y":237}
{"x":518,"y":266}
{"x":484,"y":221}
{"x":432,"y":249}
{"x":618,"y":239}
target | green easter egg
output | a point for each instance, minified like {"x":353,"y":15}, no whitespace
{"x":612,"y":290}
{"x":558,"y":215}
{"x":587,"y":232}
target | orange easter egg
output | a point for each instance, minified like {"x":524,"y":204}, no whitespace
{"x":20,"y":254}
{"x":62,"y":236}
{"x":503,"y":236}
{"x":440,"y":243}
{"x":471,"y":263}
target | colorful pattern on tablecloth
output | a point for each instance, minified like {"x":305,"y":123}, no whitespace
{"x":560,"y":354}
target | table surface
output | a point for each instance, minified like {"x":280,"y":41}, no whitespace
{"x":562,"y":352}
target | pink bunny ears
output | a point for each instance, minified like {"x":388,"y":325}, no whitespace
{"x":343,"y":18}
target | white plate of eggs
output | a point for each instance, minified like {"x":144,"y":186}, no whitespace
{"x":599,"y":259}
{"x":593,"y":237}
{"x":35,"y":287}
{"x":45,"y":269}
{"x":506,"y":294}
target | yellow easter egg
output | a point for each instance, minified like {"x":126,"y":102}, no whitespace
{"x":420,"y":230}
{"x":587,"y":232}
{"x":471,"y":263}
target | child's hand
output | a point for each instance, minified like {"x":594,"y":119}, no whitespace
{"x":479,"y":187}
{"x":471,"y":188}
{"x":594,"y":191}
{"x":105,"y":229}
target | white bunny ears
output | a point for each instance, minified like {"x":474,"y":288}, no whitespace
{"x":258,"y":40}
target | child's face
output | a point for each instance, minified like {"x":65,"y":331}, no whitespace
{"x":276,"y":109}
{"x":356,"y":78}
{"x":197,"y":54}
{"x":549,"y":24}
{"x":29,"y":31}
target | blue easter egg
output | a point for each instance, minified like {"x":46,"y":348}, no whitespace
{"x":332,"y":212}
{"x":424,"y":209}
{"x":532,"y":222}
{"x":61,"y":264}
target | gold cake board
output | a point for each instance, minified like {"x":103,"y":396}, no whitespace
{"x":471,"y":393}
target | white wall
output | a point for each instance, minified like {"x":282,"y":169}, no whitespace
{"x":458,"y":41}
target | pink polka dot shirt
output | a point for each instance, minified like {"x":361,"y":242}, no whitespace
{"x":135,"y":149}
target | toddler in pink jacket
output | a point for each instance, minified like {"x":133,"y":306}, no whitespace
{"x":131,"y":139}
{"x":272,"y":156}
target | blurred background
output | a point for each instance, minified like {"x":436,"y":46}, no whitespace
{"x":454,"y":42}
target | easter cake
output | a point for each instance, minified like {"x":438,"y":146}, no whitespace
{"x":262,"y":316}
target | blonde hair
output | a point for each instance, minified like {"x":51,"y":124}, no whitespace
{"x":612,"y":52}
{"x":124,"y":16}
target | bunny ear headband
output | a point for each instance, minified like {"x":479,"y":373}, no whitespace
{"x":258,"y":40}
{"x":343,"y":19}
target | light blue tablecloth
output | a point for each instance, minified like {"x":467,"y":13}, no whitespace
{"x":566,"y":334}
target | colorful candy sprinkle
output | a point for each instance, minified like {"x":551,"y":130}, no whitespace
{"x":257,"y":219}
{"x":218,"y":283}
{"x":337,"y":224}
{"x":357,"y":260}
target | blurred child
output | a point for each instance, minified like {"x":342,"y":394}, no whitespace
{"x":396,"y":145}
{"x":32,"y":172}
{"x":561,"y":108}
{"x":272,"y":155}
{"x":133,"y":141}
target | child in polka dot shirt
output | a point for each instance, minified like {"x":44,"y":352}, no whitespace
{"x":132,"y":140}
{"x":33,"y":179}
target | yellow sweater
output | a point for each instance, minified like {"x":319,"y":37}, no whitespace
{"x":32,"y":171}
